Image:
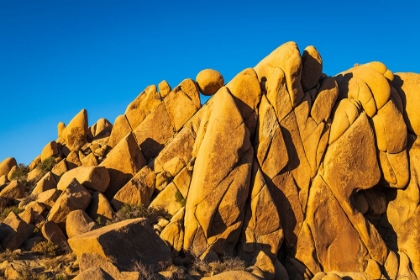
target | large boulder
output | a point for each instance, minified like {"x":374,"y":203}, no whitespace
{"x":209,"y":81}
{"x":220,"y":182}
{"x":76,"y":132}
{"x":74,"y":197}
{"x":124,"y":242}
{"x":51,"y":149}
{"x":6,"y":165}
{"x":78,"y":222}
{"x":138,"y":190}
{"x":95,"y":178}
{"x":13,"y":190}
{"x":14,"y":231}
{"x":142,"y":106}
{"x":124,"y":160}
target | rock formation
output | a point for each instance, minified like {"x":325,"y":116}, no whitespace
{"x":298,"y":174}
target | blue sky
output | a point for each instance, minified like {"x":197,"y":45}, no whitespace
{"x":58,"y":57}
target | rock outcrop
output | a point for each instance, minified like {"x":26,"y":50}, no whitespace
{"x":298,"y":174}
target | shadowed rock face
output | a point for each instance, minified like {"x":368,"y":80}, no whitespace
{"x":291,"y":170}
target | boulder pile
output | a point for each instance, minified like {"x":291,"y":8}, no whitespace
{"x":297,"y":174}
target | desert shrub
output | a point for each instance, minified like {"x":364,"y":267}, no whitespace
{"x":146,"y":272}
{"x":6,"y":211}
{"x":47,"y":249}
{"x":129,"y":211}
{"x":180,"y":199}
{"x":9,"y":255}
{"x":20,"y":172}
{"x":47,"y":165}
{"x":200,"y":267}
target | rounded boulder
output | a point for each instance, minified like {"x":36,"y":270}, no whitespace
{"x":209,"y":81}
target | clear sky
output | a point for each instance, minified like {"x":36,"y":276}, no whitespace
{"x":58,"y":57}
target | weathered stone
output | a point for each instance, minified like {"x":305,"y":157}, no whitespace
{"x":173,"y":233}
{"x":101,"y":128}
{"x":311,"y":68}
{"x":50,"y":150}
{"x":6,"y":165}
{"x":182,"y":103}
{"x":88,"y":261}
{"x":164,"y":88}
{"x":286,"y":57}
{"x":182,"y":181}
{"x":122,"y":163}
{"x":3,"y":180}
{"x":262,"y":229}
{"x":221,"y":176}
{"x":325,"y":100}
{"x":166,"y":201}
{"x":359,"y":90}
{"x":73,"y":160}
{"x":46,"y":183}
{"x":124,"y":241}
{"x":53,"y":233}
{"x":89,"y":160}
{"x":120,"y":129}
{"x":407,"y":85}
{"x":95,"y":178}
{"x":100,"y":209}
{"x":48,"y":197}
{"x":373,"y":269}
{"x":13,"y":190}
{"x":59,"y":169}
{"x":143,"y":105}
{"x":209,"y":81}
{"x":269,"y":144}
{"x":404,"y":271}
{"x":333,"y":235}
{"x":60,"y":128}
{"x":75,"y":133}
{"x":391,"y":265}
{"x":78,"y":222}
{"x":34,"y":163}
{"x":153,"y":133}
{"x":137,"y":191}
{"x":277,"y":93}
{"x":344,"y":116}
{"x":93,"y":273}
{"x":246,"y":91}
{"x":74,"y":197}
{"x":14,"y":231}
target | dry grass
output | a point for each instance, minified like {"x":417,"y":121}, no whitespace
{"x":9,"y":255}
{"x":200,"y":267}
{"x":146,"y":272}
{"x":129,"y":211}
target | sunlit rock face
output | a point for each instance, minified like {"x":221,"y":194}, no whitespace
{"x":299,"y":174}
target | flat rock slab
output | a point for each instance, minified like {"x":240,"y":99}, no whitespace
{"x":125,"y":242}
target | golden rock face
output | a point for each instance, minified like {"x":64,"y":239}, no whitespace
{"x":300,"y":174}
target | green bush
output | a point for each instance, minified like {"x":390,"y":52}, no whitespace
{"x":6,"y":211}
{"x":129,"y":211}
{"x":47,"y":165}
{"x":20,"y":172}
{"x":47,"y":248}
{"x":180,"y":199}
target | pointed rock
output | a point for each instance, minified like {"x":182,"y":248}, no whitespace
{"x":122,"y":163}
{"x":76,"y":132}
{"x":142,"y":106}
